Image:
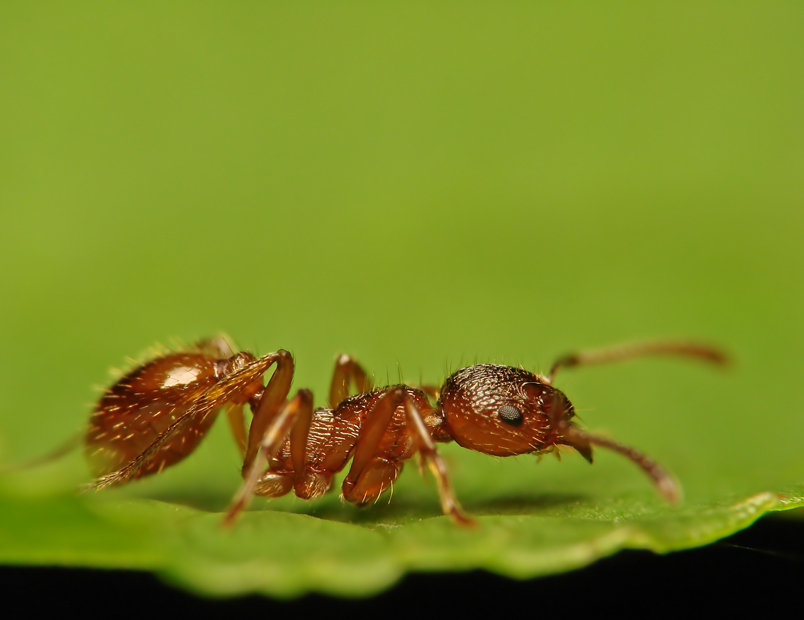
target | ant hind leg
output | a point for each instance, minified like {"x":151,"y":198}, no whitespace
{"x":293,"y":420}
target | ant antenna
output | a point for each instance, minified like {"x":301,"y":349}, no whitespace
{"x":615,"y":354}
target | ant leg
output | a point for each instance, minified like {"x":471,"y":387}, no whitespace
{"x":372,"y":471}
{"x":221,"y":346}
{"x":615,"y":354}
{"x":273,"y":397}
{"x":237,"y":424}
{"x":74,"y":442}
{"x":369,"y":440}
{"x":449,"y":504}
{"x":346,"y":370}
{"x":294,"y":420}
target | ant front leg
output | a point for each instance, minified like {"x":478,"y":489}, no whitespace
{"x":449,"y":503}
{"x":347,"y":371}
{"x":616,"y":354}
{"x":392,"y":432}
{"x":294,"y":420}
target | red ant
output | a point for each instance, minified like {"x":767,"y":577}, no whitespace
{"x":158,"y":413}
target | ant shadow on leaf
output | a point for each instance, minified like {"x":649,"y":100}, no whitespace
{"x":403,"y":509}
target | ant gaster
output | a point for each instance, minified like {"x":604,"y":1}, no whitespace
{"x":157,"y":414}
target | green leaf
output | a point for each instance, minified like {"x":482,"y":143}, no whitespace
{"x":285,"y":554}
{"x":422,"y":187}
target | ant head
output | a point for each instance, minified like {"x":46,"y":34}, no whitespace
{"x":503,"y":411}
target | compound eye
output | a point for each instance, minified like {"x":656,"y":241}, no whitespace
{"x":510,"y":415}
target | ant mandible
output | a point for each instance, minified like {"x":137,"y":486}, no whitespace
{"x":157,"y":414}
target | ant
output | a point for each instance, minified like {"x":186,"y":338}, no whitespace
{"x":157,"y":414}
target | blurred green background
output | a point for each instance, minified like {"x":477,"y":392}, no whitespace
{"x":422,"y":185}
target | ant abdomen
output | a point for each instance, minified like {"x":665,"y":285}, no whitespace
{"x":141,"y":406}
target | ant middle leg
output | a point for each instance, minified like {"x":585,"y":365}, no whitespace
{"x":625,"y":352}
{"x":347,"y":371}
{"x":373,"y":470}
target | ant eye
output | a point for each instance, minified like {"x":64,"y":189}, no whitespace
{"x":510,"y":415}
